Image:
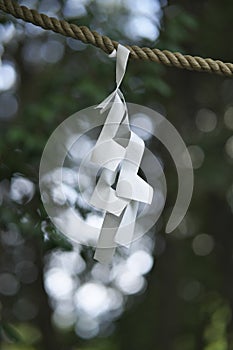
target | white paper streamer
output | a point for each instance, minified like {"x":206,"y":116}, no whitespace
{"x":117,"y":146}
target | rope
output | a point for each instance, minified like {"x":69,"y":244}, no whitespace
{"x":87,"y":36}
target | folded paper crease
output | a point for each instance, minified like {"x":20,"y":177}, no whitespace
{"x":118,"y":151}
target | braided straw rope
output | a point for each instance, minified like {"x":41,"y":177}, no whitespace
{"x":107,"y":45}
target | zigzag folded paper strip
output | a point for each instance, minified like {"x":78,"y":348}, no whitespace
{"x":118,"y":151}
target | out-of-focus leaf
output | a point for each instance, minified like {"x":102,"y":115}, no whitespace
{"x":11,"y":332}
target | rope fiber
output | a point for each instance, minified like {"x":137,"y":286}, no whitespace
{"x":88,"y":36}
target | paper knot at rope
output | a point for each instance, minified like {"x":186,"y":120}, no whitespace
{"x":118,"y":151}
{"x":106,"y":44}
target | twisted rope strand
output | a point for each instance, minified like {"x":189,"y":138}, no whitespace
{"x":87,"y":36}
